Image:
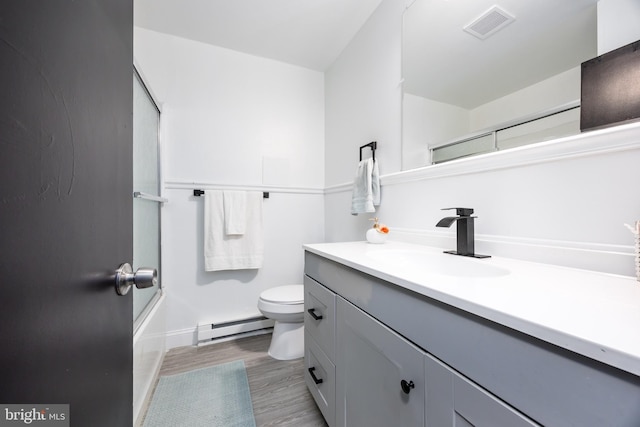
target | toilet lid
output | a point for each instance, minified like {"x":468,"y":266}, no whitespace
{"x":290,"y":294}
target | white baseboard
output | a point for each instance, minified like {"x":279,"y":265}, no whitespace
{"x":189,"y":336}
{"x":182,"y":338}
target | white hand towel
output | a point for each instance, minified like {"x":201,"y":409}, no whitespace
{"x":366,"y":188}
{"x":235,"y":212}
{"x":232,"y":252}
{"x":375,"y":184}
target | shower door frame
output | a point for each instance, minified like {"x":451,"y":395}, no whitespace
{"x":144,"y":313}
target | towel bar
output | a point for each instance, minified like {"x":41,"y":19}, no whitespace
{"x":198,"y":193}
{"x":145,"y":196}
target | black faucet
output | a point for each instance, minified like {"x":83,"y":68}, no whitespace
{"x":464,"y":232}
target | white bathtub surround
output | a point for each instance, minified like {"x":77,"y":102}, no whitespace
{"x":590,"y":313}
{"x":149,"y":346}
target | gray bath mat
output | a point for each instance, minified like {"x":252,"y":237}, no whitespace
{"x":213,"y":397}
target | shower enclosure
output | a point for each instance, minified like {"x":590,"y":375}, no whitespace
{"x":147,"y":201}
{"x":149,"y":313}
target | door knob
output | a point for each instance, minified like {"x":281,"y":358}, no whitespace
{"x":142,"y":278}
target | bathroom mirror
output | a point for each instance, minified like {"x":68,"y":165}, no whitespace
{"x":473,"y":65}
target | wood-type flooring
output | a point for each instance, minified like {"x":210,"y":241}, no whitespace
{"x":278,"y":392}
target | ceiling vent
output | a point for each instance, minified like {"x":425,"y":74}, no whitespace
{"x":489,"y":23}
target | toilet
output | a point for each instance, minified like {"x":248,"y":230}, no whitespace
{"x":285,"y":305}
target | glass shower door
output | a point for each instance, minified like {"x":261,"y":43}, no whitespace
{"x":146,"y":191}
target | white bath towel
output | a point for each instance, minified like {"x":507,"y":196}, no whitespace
{"x":235,"y":212}
{"x":366,"y":188}
{"x":223,"y":251}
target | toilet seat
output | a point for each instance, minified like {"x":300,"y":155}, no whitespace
{"x":283,"y":303}
{"x":285,"y":295}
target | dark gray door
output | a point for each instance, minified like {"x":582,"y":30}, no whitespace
{"x":65,"y":206}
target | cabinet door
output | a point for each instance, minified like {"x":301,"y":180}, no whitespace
{"x":371,"y":363}
{"x":453,"y":400}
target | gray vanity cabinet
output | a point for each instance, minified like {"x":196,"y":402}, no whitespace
{"x":371,"y":363}
{"x":466,"y":370}
{"x":363,"y":373}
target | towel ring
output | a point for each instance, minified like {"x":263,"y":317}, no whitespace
{"x":373,"y":145}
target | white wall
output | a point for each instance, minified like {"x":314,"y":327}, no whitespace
{"x":232,"y":120}
{"x":618,"y":24}
{"x":566,"y":210}
{"x":363,"y":97}
{"x":226,"y":110}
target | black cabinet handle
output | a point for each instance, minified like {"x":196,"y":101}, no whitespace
{"x":407,"y":386}
{"x":313,"y":376}
{"x":312,"y":312}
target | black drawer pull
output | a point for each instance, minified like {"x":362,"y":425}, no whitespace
{"x":313,"y":376}
{"x":407,"y":386}
{"x":312,"y":312}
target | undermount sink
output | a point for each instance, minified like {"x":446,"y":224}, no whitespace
{"x":439,"y":263}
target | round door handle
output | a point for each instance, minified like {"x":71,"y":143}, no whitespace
{"x":407,"y":386}
{"x":142,"y":278}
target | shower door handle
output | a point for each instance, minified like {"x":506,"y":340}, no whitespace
{"x":143,"y":278}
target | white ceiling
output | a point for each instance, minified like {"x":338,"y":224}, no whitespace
{"x":308,"y":33}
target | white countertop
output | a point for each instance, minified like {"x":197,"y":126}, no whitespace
{"x":590,"y":313}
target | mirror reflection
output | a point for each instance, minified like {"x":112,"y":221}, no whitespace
{"x":473,"y":66}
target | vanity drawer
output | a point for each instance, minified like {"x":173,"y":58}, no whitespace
{"x":320,"y":375}
{"x":320,"y":315}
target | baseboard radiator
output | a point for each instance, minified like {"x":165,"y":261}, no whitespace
{"x":211,"y":332}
